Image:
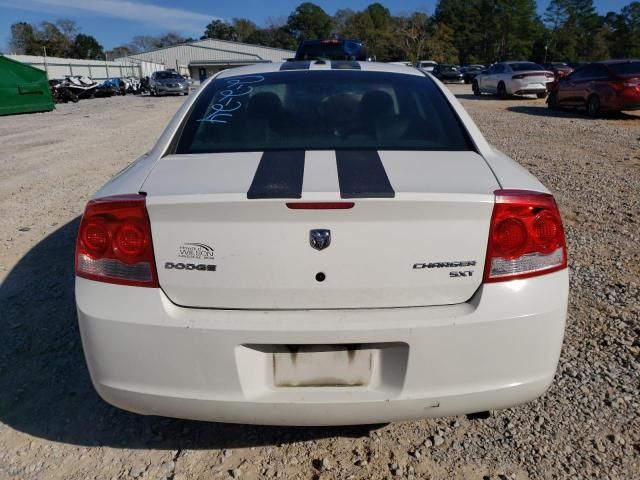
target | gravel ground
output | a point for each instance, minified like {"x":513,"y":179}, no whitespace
{"x":53,"y":425}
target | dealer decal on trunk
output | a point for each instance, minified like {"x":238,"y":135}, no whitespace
{"x":193,"y":251}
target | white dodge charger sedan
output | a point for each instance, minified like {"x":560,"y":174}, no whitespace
{"x":319,"y":243}
{"x":513,"y":78}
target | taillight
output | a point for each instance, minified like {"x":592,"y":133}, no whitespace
{"x":520,"y":76}
{"x":526,"y":237}
{"x":620,"y":85}
{"x":114,"y":242}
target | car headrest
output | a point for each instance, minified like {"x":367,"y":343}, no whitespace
{"x":340,"y":108}
{"x":376,"y":103}
{"x":264,"y":104}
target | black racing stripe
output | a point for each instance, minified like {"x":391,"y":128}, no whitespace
{"x":279,"y":175}
{"x":296,"y":65}
{"x":344,"y":65}
{"x":362,"y":175}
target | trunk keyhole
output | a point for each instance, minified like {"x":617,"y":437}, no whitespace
{"x":320,"y":276}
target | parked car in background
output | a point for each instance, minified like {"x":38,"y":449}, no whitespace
{"x":426,"y":65}
{"x":331,"y":49}
{"x":320,"y":245}
{"x":513,"y":78}
{"x":168,"y":82}
{"x":470,"y":72}
{"x":559,"y":69}
{"x":610,"y":86}
{"x":447,"y":73}
{"x":577,"y":65}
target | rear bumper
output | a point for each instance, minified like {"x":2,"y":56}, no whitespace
{"x":631,"y":106}
{"x":150,"y":356}
{"x":531,"y":91}
{"x":524,"y":87}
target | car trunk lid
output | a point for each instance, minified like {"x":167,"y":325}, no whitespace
{"x":416,"y":234}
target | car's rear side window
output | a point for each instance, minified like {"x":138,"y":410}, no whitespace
{"x":322,"y":110}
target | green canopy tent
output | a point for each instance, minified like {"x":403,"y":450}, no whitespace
{"x":23,"y":88}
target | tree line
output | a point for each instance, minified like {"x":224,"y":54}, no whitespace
{"x":63,"y":39}
{"x":459,"y":31}
{"x":60,"y":39}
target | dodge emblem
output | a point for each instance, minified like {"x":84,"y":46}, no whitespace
{"x":320,"y":238}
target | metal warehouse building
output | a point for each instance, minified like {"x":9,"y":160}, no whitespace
{"x":203,"y":58}
{"x":59,"y":68}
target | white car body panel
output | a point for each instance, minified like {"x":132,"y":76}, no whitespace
{"x":440,"y":221}
{"x":510,"y":174}
{"x":435,"y":348}
{"x":147,"y":355}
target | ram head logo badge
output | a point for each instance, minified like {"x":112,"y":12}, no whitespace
{"x":320,"y":238}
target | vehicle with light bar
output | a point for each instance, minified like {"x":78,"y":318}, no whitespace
{"x":513,"y":78}
{"x":331,"y":49}
{"x":319,"y":243}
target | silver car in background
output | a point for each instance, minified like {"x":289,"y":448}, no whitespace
{"x":166,"y":82}
{"x":426,"y":65}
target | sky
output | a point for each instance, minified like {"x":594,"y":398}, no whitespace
{"x":115,"y":22}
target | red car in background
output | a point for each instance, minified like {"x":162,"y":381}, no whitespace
{"x":559,"y":69}
{"x":611,"y":86}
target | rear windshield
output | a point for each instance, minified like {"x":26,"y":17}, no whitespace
{"x":322,"y":110}
{"x":627,"y":68}
{"x":524,"y":66}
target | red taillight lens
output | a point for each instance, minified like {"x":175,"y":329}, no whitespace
{"x":621,"y":85}
{"x":130,"y":241}
{"x":517,"y":77}
{"x":95,"y":237}
{"x":526,"y":237}
{"x":114,"y":242}
{"x":509,"y":237}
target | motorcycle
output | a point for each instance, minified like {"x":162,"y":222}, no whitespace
{"x":60,"y":92}
{"x":82,"y":87}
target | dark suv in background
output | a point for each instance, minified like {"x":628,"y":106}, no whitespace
{"x":447,"y":73}
{"x":470,"y":72}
